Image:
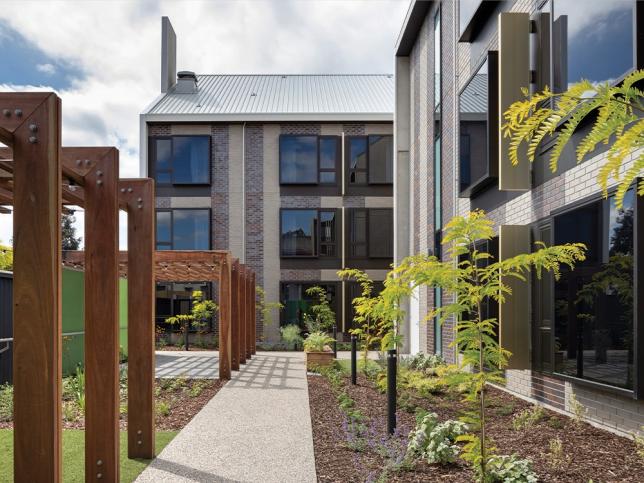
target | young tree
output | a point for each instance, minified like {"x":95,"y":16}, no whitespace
{"x":70,"y":240}
{"x":369,"y":330}
{"x":617,"y":114}
{"x":472,"y":276}
{"x":202,"y":310}
{"x":6,"y":257}
{"x":319,"y":317}
{"x":266,"y":308}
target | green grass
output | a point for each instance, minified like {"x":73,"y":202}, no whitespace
{"x":74,"y":455}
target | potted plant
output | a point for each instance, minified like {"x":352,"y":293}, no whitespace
{"x":317,"y":349}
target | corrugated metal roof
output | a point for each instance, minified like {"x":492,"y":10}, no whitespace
{"x":282,"y":94}
{"x":473,"y":99}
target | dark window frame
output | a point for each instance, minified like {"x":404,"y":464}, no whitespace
{"x":318,"y":240}
{"x":365,"y":170}
{"x":170,"y":170}
{"x":319,"y":169}
{"x":366,"y":243}
{"x":638,"y":295}
{"x":170,"y":244}
{"x":492,"y":128}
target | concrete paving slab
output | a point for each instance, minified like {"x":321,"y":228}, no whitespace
{"x":256,"y":429}
{"x":192,"y":364}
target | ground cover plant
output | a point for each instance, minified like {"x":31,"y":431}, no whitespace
{"x":177,"y":401}
{"x":558,"y":448}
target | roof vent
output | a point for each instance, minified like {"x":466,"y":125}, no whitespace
{"x":186,"y":82}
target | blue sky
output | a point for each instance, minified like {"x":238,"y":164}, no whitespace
{"x":103,"y":56}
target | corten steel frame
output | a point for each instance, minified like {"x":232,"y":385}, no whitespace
{"x":38,"y":177}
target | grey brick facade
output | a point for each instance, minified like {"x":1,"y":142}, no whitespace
{"x":619,"y":412}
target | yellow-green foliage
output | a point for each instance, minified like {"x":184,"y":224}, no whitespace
{"x":202,"y":310}
{"x":618,"y":118}
{"x":266,"y":308}
{"x":528,"y":418}
{"x":6,"y":258}
{"x":370,"y":330}
{"x":471,"y":277}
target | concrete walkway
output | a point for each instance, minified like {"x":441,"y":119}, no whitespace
{"x":256,"y":429}
{"x":192,"y":364}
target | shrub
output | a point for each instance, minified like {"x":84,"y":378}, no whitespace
{"x":6,"y":403}
{"x":162,"y":408}
{"x":578,"y":410}
{"x":197,"y":388}
{"x":435,"y":442}
{"x":424,"y":362}
{"x":511,"y":469}
{"x":316,"y":342}
{"x":639,"y":444}
{"x":528,"y":418}
{"x":555,"y":457}
{"x":291,"y":335}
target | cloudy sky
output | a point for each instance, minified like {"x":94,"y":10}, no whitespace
{"x":103,"y":57}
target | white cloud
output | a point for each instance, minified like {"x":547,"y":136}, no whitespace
{"x":116,"y":44}
{"x":49,"y":69}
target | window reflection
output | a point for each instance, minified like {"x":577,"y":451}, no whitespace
{"x":299,"y":232}
{"x":594,"y":303}
{"x":298,"y":159}
{"x":191,"y":159}
{"x":592,"y":39}
{"x":191,"y":230}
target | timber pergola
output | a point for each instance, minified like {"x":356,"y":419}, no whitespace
{"x":38,"y":177}
{"x":236,"y":284}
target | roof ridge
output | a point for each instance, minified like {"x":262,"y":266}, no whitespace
{"x":298,"y":75}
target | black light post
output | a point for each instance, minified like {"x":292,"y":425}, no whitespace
{"x":354,"y":362}
{"x":187,"y":329}
{"x":335,"y":341}
{"x":391,"y":391}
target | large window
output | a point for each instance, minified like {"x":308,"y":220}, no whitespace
{"x":437,"y":59}
{"x":308,"y":233}
{"x":181,"y":159}
{"x":370,"y":159}
{"x":594,"y":304}
{"x":183,"y":229}
{"x":296,"y":302}
{"x":371,"y":233}
{"x":591,"y":39}
{"x":308,"y":159}
{"x":478,"y":135}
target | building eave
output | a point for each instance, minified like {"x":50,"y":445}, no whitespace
{"x":416,"y":14}
{"x":272,"y":117}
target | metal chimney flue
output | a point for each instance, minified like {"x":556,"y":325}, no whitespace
{"x":186,"y":82}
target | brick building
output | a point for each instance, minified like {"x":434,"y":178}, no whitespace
{"x":458,"y":66}
{"x":292,"y":173}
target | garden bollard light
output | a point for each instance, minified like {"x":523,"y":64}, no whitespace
{"x":186,"y":330}
{"x":354,"y":350}
{"x":335,"y":342}
{"x":391,"y":391}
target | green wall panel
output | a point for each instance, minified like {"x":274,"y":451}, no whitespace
{"x":73,"y":309}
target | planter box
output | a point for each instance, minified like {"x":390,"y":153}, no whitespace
{"x":317,"y":359}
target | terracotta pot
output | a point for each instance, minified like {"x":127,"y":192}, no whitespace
{"x":317,"y":359}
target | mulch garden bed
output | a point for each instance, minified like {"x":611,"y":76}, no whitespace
{"x":588,"y":452}
{"x":177,"y":401}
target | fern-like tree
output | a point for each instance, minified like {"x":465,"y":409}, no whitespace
{"x":202,"y":310}
{"x":368,"y":329}
{"x":617,"y":114}
{"x":6,"y":257}
{"x":319,"y":317}
{"x":265,"y":307}
{"x":472,"y":276}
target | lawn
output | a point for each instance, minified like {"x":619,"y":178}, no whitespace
{"x":74,"y":455}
